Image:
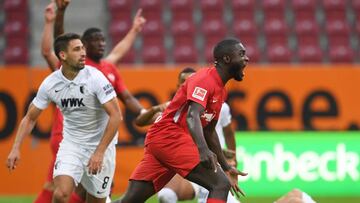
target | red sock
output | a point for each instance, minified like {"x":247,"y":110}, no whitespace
{"x":212,"y":200}
{"x":75,"y":198}
{"x":44,"y":197}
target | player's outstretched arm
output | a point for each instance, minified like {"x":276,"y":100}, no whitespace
{"x":60,"y":14}
{"x":46,"y":38}
{"x":125,"y":44}
{"x":149,"y":116}
{"x":25,"y":128}
{"x":113,"y":110}
{"x":130,"y":102}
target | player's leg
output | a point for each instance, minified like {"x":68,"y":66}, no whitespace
{"x":176,"y":189}
{"x":78,"y":195}
{"x":68,"y":170}
{"x":137,"y":191}
{"x":64,"y":185}
{"x":98,"y":186}
{"x":216,"y":183}
{"x":92,"y":199}
{"x":148,"y":178}
{"x":46,"y":194}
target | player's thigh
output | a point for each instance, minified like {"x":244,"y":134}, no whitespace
{"x":68,"y":168}
{"x":64,"y":183}
{"x":207,"y":178}
{"x":99,"y":185}
{"x":182,"y":187}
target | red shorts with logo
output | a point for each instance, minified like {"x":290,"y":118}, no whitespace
{"x":165,"y":155}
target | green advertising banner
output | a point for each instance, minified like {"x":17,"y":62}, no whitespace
{"x":320,"y":163}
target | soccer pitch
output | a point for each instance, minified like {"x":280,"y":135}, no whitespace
{"x":30,"y":199}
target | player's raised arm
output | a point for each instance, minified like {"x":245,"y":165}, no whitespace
{"x":125,"y":44}
{"x":130,"y":102}
{"x":61,"y":6}
{"x":46,"y":38}
{"x":25,"y":128}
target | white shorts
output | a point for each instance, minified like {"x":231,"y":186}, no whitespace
{"x":72,"y":160}
{"x":203,"y":195}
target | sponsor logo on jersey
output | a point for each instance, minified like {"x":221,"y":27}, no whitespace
{"x":108,"y":89}
{"x":82,"y":89}
{"x":208,"y":116}
{"x":72,"y":102}
{"x":199,"y":93}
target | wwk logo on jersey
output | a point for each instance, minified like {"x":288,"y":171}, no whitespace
{"x":72,"y":102}
{"x":199,"y":93}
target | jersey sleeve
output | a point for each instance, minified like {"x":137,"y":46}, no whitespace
{"x":225,"y":115}
{"x":102,"y":87}
{"x":42,"y":99}
{"x":198,"y":91}
{"x":119,"y":84}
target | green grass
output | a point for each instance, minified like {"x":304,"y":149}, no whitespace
{"x":30,"y":199}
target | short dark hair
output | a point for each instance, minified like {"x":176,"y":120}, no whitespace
{"x":224,"y":47}
{"x":61,"y":42}
{"x":88,"y":32}
{"x":187,"y":70}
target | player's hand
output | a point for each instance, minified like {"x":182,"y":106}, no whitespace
{"x":62,"y":4}
{"x":13,"y":159}
{"x":139,"y":21}
{"x":233,"y":174}
{"x":50,"y":12}
{"x":95,"y":163}
{"x":209,"y":160}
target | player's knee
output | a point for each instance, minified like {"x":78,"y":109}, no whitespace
{"x":167,"y":195}
{"x":61,"y":195}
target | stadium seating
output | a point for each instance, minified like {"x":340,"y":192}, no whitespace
{"x":16,"y":6}
{"x":16,"y":51}
{"x":120,"y":6}
{"x":272,"y":30}
{"x":153,"y":50}
{"x":185,"y":50}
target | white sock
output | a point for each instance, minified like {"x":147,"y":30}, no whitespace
{"x":306,"y":198}
{"x":231,"y":199}
{"x":167,"y":195}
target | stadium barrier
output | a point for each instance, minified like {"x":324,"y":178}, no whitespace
{"x":274,"y":98}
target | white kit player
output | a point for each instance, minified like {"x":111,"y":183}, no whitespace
{"x":91,"y":118}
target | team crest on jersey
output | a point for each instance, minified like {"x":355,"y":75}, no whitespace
{"x":199,"y":93}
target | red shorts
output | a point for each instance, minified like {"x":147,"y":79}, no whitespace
{"x":163,"y":158}
{"x":54,"y":145}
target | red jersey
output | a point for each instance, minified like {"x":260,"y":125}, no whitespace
{"x":204,"y":87}
{"x":110,"y":72}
